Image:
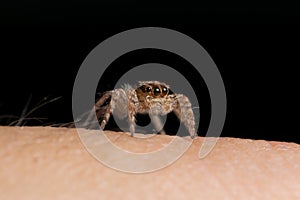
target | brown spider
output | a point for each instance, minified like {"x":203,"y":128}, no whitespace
{"x":149,"y":97}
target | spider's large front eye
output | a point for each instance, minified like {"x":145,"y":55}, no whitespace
{"x":156,"y":91}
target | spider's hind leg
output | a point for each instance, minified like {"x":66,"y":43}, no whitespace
{"x":100,"y":110}
{"x":118,"y":106}
{"x":106,"y":116}
{"x":103,"y":111}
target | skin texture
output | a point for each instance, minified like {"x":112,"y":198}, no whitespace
{"x":51,"y":163}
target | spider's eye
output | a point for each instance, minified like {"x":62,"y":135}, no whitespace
{"x":148,"y":89}
{"x":164,"y":90}
{"x":156,"y":91}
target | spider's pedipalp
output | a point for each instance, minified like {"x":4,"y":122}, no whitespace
{"x":157,"y":124}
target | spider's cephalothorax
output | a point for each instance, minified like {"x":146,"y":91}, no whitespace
{"x":149,"y":97}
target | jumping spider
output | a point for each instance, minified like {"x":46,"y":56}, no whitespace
{"x":149,"y":97}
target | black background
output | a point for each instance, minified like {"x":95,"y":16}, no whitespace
{"x":254,"y":44}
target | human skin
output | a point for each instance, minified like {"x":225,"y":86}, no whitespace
{"x":52,"y":163}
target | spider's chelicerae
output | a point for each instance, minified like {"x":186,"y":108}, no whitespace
{"x":149,"y":97}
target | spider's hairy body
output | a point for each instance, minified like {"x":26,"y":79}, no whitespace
{"x":149,"y":97}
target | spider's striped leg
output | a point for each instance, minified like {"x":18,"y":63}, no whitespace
{"x":102,"y":99}
{"x":106,"y":116}
{"x":90,"y":122}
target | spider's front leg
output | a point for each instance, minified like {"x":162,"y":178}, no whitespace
{"x":154,"y":113}
{"x":184,"y":112}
